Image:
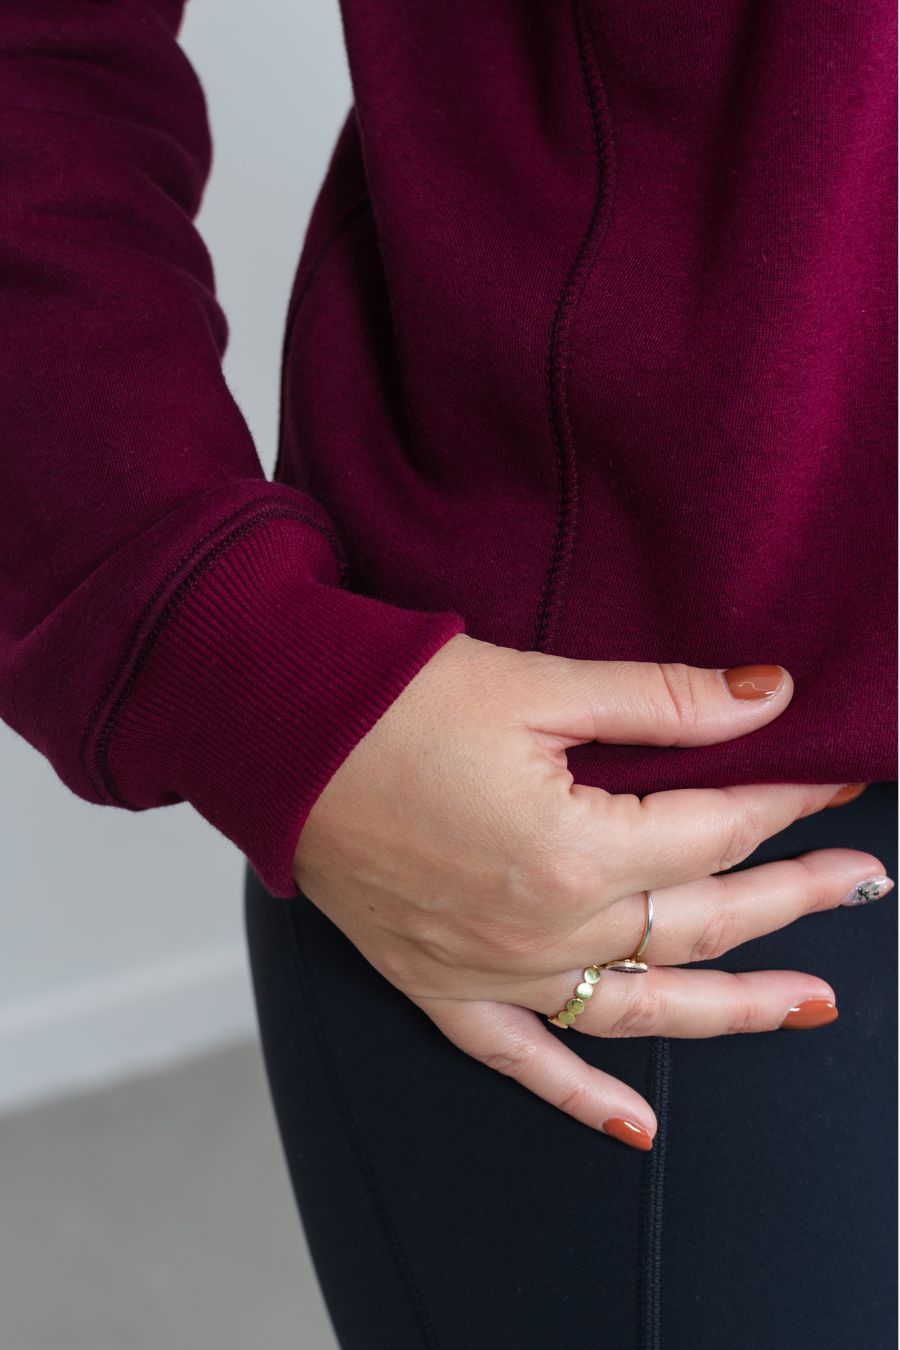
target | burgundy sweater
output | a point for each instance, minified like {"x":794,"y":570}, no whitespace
{"x":590,"y":350}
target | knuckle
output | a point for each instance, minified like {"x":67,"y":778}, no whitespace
{"x":679,"y":698}
{"x":518,"y":950}
{"x":819,"y":892}
{"x":641,"y":1015}
{"x":572,"y":883}
{"x":717,"y":935}
{"x":571,"y":1101}
{"x":511,"y":1060}
{"x":560,"y":859}
{"x":438,"y":948}
{"x":559,"y":875}
{"x":742,"y":837}
{"x":503,"y":945}
{"x":745,"y":1017}
{"x":419,"y":973}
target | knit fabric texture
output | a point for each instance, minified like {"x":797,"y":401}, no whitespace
{"x":590,"y":350}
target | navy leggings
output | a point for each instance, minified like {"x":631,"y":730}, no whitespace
{"x":446,"y":1206}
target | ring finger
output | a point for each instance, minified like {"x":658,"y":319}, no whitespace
{"x":701,"y":920}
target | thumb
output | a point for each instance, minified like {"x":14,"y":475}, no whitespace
{"x":651,"y":703}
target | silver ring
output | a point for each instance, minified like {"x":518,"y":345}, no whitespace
{"x":632,"y":964}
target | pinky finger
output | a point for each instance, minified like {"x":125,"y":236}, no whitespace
{"x":514,"y":1041}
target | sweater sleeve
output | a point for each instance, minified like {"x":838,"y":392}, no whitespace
{"x":173,"y":625}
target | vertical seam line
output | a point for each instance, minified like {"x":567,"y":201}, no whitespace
{"x":558,"y":346}
{"x":650,"y":1228}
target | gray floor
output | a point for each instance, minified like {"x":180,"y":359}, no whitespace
{"x":155,"y":1216}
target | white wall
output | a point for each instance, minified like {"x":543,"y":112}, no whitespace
{"x":121,"y":937}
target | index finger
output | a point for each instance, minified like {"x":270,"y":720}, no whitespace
{"x":516,"y":1041}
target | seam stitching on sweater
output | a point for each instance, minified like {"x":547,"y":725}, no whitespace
{"x":357,"y":1139}
{"x":302,"y":290}
{"x":103,"y":777}
{"x":556,"y":365}
{"x":650,"y":1227}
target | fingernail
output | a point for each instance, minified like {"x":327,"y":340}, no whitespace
{"x":848,"y":793}
{"x":628,"y":1133}
{"x":748,"y":682}
{"x":812,"y":1012}
{"x":872,"y":889}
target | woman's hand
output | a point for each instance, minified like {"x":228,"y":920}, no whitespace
{"x":454,"y":849}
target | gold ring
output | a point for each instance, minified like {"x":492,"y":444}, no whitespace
{"x":591,"y":974}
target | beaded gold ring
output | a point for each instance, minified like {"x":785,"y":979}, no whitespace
{"x":576,"y":1005}
{"x":591,"y":975}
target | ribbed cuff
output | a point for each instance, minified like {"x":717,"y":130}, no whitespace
{"x":255,"y":689}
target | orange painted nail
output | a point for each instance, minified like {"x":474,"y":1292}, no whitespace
{"x":628,"y":1133}
{"x":848,"y":793}
{"x":751,"y":682}
{"x":812,"y":1012}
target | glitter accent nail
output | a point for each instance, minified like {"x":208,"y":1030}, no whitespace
{"x":873,"y":888}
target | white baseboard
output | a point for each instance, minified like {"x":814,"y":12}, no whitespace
{"x":130,"y":1024}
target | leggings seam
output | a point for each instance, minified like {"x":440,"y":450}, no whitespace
{"x":650,"y":1227}
{"x":367,"y":1168}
